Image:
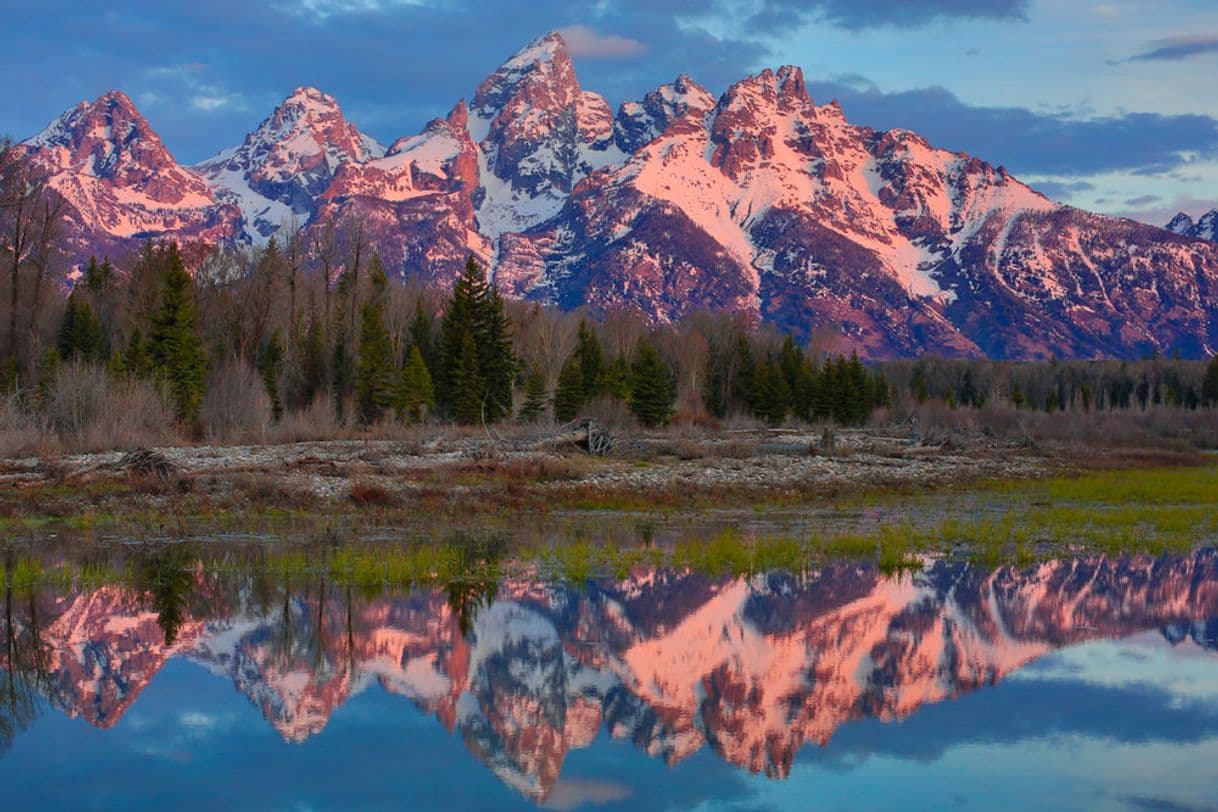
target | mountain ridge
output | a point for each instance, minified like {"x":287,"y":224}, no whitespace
{"x":759,"y":201}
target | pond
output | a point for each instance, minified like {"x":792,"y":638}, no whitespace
{"x":190,"y":677}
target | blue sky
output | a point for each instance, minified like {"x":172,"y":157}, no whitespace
{"x":1107,"y":105}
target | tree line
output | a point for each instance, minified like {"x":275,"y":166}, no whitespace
{"x":322,"y":323}
{"x":1056,"y":385}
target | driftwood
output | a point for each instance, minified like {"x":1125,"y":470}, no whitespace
{"x":146,"y":462}
{"x":587,"y":435}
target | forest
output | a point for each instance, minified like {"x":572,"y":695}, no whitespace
{"x":310,"y":338}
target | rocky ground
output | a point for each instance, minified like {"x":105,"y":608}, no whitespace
{"x":750,"y":461}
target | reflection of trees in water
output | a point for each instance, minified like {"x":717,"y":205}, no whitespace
{"x":165,"y":573}
{"x":479,"y":557}
{"x":25,"y":676}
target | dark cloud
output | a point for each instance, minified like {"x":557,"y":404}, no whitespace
{"x":1176,"y":48}
{"x":1058,"y":190}
{"x":855,"y":15}
{"x":1143,"y":200}
{"x":1028,"y":141}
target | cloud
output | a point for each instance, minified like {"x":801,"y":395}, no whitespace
{"x":573,"y":793}
{"x":1058,"y":190}
{"x":583,"y":41}
{"x":1142,"y":200}
{"x":1027,"y":141}
{"x":1176,"y":48}
{"x":856,"y":15}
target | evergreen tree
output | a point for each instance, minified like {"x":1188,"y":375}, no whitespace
{"x":80,"y":334}
{"x":591,"y":361}
{"x":1209,"y":389}
{"x":651,"y":389}
{"x":341,"y":374}
{"x":616,"y":380}
{"x":175,"y":348}
{"x":313,"y":364}
{"x":420,"y":334}
{"x":48,"y":371}
{"x":466,"y":389}
{"x":742,"y":384}
{"x":415,"y":392}
{"x":476,"y":308}
{"x":496,"y":359}
{"x":135,"y":357}
{"x":771,"y":393}
{"x":569,"y":394}
{"x":534,"y":405}
{"x":374,"y":372}
{"x":272,"y":364}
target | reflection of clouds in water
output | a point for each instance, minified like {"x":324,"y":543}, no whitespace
{"x":572,"y":793}
{"x":1183,"y":672}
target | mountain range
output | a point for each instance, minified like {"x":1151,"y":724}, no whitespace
{"x":672,"y":661}
{"x":758,"y":201}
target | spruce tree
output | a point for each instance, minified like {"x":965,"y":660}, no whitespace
{"x":496,"y":358}
{"x":742,"y":384}
{"x":535,"y":398}
{"x":271,"y":366}
{"x":313,"y":364}
{"x":651,"y":389}
{"x":175,"y":348}
{"x":770,"y":394}
{"x":466,"y":389}
{"x":616,"y":380}
{"x":1209,"y":389}
{"x":420,"y":334}
{"x":476,"y":308}
{"x":80,"y":334}
{"x":415,"y":393}
{"x":591,"y":361}
{"x":374,"y":371}
{"x":569,"y":393}
{"x":135,"y":356}
{"x":48,"y":371}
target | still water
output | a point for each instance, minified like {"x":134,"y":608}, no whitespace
{"x":1089,"y":683}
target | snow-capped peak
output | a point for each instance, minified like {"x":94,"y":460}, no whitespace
{"x":284,"y":165}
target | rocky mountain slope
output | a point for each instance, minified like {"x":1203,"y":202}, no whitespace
{"x":753,"y":669}
{"x":760,"y":201}
{"x":1204,"y":227}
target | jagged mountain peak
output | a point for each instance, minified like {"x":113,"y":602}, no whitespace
{"x":1204,"y":227}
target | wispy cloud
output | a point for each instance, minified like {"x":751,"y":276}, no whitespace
{"x":1176,"y":48}
{"x":583,"y":41}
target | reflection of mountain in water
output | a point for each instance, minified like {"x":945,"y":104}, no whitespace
{"x":673,"y":661}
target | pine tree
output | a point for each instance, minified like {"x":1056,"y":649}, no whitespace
{"x":569,"y":393}
{"x":742,"y":385}
{"x":651,"y":389}
{"x":591,"y":361}
{"x":465,"y":384}
{"x":48,"y":371}
{"x":770,"y":394}
{"x":415,"y":393}
{"x":135,"y":356}
{"x":476,"y":308}
{"x":175,"y":348}
{"x":1209,"y":389}
{"x":341,"y":375}
{"x":496,"y":358}
{"x":374,"y":371}
{"x":616,"y":380}
{"x":535,"y":396}
{"x":80,"y":334}
{"x":313,"y":364}
{"x":420,"y":334}
{"x":272,"y":364}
